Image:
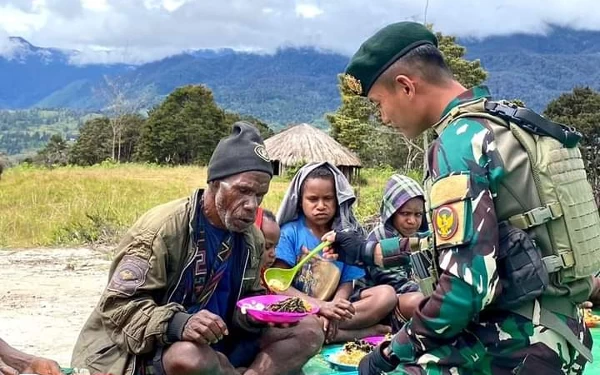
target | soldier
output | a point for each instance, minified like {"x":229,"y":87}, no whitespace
{"x":479,"y":177}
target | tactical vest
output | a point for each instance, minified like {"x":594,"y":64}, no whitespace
{"x":545,"y":192}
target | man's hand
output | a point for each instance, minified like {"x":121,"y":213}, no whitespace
{"x":338,"y":309}
{"x":42,"y":366}
{"x":204,"y":327}
{"x":351,"y":247}
{"x":378,"y":361}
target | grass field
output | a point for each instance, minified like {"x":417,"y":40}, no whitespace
{"x":77,"y":205}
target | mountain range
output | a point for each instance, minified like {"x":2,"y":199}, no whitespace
{"x":291,"y":85}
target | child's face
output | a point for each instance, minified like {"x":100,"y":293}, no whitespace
{"x":407,"y":220}
{"x":271,"y":232}
{"x":319,"y":200}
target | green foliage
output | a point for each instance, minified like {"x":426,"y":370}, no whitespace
{"x":184,"y":129}
{"x":55,"y":153}
{"x":468,"y":73}
{"x":94,"y":143}
{"x":26,"y":131}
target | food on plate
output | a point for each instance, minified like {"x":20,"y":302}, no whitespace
{"x":276,"y":285}
{"x":591,"y":320}
{"x":353,"y":352}
{"x":291,"y":305}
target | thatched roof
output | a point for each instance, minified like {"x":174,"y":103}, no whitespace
{"x":305,"y":143}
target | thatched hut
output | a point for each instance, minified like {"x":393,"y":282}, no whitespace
{"x":304,"y":143}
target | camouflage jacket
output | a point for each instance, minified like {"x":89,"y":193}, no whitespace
{"x":138,"y":306}
{"x":464,"y":168}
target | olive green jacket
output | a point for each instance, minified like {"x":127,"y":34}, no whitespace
{"x":135,"y":313}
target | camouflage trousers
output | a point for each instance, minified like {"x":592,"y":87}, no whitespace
{"x":505,"y":344}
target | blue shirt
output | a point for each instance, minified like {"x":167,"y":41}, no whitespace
{"x":221,"y":301}
{"x":295,"y":235}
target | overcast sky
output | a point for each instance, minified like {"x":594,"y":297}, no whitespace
{"x":144,"y":30}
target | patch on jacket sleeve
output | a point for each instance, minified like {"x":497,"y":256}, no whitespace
{"x":129,"y":275}
{"x":451,"y":212}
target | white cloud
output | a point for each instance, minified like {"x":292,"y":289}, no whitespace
{"x":144,"y":30}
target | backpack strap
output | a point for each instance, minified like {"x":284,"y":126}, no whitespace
{"x":531,"y":122}
{"x":539,"y":313}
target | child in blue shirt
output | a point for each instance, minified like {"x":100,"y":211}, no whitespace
{"x":318,"y":200}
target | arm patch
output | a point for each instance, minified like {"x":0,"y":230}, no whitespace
{"x":451,"y":212}
{"x":129,"y":275}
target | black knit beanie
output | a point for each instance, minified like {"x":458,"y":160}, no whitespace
{"x":242,"y":151}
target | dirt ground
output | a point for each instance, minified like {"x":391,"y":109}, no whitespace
{"x":46,"y":295}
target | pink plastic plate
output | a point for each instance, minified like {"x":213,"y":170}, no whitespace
{"x":374,"y":340}
{"x":256,"y":307}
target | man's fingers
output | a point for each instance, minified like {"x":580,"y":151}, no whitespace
{"x":222,"y":327}
{"x":207,"y":332}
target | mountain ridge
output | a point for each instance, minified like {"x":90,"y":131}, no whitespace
{"x":291,"y":85}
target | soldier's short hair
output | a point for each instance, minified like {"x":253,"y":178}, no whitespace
{"x":426,"y":61}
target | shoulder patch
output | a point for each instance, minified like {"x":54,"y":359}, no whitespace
{"x":129,"y":275}
{"x":451,"y":210}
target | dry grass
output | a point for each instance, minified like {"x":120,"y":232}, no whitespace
{"x":76,"y":205}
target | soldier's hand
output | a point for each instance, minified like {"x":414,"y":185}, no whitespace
{"x":7,"y":370}
{"x":351,"y":247}
{"x":42,"y":366}
{"x":338,"y":309}
{"x":376,"y":363}
{"x":204,"y":327}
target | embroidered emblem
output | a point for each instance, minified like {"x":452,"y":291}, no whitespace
{"x":261,"y":151}
{"x":129,"y":275}
{"x":445,"y":222}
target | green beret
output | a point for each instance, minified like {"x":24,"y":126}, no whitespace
{"x":381,"y":50}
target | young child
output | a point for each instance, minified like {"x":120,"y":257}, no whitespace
{"x":267,"y":223}
{"x":318,"y":200}
{"x":402,"y":215}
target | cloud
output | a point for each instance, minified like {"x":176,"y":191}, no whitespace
{"x":144,"y":30}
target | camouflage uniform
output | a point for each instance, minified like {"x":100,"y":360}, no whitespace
{"x":457,"y":331}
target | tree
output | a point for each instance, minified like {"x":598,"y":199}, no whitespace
{"x":94,"y":144}
{"x":131,"y":126}
{"x":123,"y":97}
{"x":56,"y":152}
{"x":357,"y":125}
{"x":468,"y":72}
{"x":184,"y":129}
{"x":581,"y":109}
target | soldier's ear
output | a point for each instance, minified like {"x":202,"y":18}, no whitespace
{"x":405,"y":85}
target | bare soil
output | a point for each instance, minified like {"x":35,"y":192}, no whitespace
{"x":46,"y":295}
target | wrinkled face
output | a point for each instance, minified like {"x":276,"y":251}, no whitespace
{"x":238,"y":197}
{"x":408,"y":218}
{"x":400,"y":107}
{"x":271,"y":232}
{"x":319,"y":201}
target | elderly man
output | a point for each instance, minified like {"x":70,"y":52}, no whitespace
{"x":15,"y":362}
{"x":170,"y":304}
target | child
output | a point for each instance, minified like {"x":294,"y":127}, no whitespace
{"x":318,"y":200}
{"x":267,"y":223}
{"x":402,"y":211}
